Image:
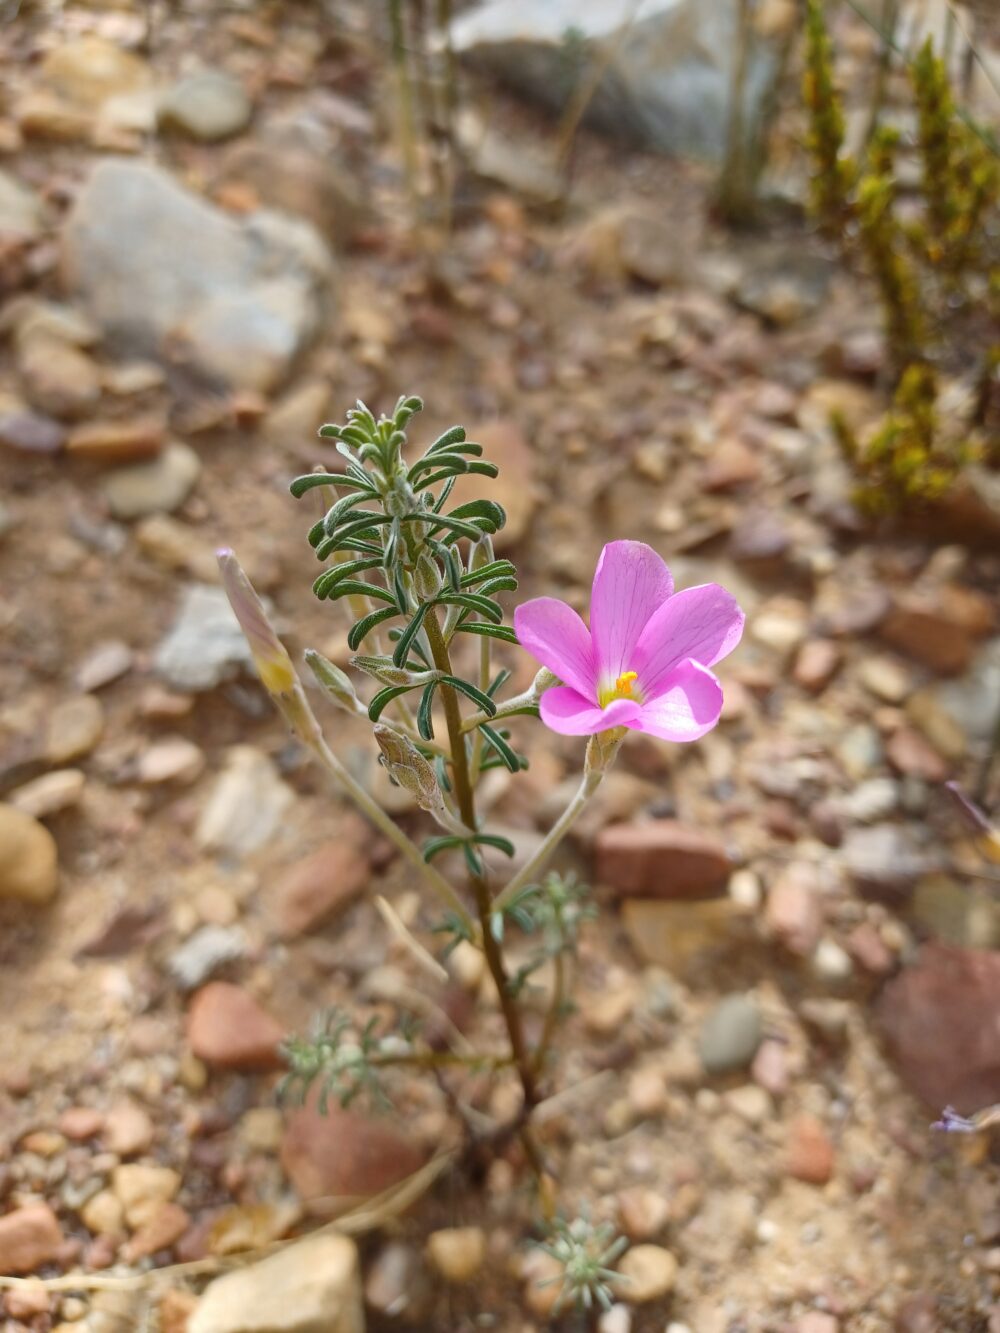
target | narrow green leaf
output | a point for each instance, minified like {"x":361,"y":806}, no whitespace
{"x":452,"y":525}
{"x":485,"y":469}
{"x":473,"y":860}
{"x":402,"y":649}
{"x":502,"y":584}
{"x":358,"y":631}
{"x":473,"y":602}
{"x":481,"y":509}
{"x":501,"y":747}
{"x":435,"y":846}
{"x":425,"y":715}
{"x":477,"y":696}
{"x":494,"y":570}
{"x":313,"y":479}
{"x":498,"y":682}
{"x":384,"y":698}
{"x":348,"y":586}
{"x":453,"y":435}
{"x":447,"y":460}
{"x":330,"y":577}
{"x":446,"y":491}
{"x":495,"y":840}
{"x":502,"y":632}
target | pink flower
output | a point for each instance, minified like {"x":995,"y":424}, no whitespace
{"x":644,"y":662}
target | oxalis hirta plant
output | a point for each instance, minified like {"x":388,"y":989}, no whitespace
{"x":422,"y":583}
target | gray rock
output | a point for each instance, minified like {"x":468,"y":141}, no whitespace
{"x":730,"y":1035}
{"x":291,"y":164}
{"x":31,"y":433}
{"x":871,"y":800}
{"x":22,"y":214}
{"x":166,"y":274}
{"x":204,"y":953}
{"x":247,"y":805}
{"x":973,"y":701}
{"x":208,"y":105}
{"x":205,"y":644}
{"x":885,"y":860}
{"x":667,"y":82}
{"x":784,"y":287}
{"x":157,"y":487}
{"x":310,"y":1287}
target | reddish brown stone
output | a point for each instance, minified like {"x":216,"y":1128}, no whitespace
{"x":816,"y":663}
{"x":324,"y":883}
{"x":81,"y":1122}
{"x":29,"y":1237}
{"x":938,"y":629}
{"x":915,"y":757}
{"x":166,"y":1226}
{"x":731,"y":464}
{"x":25,"y":1303}
{"x":117,"y":441}
{"x":866,"y":946}
{"x":794,"y":909}
{"x":176,"y":1308}
{"x":810,"y":1151}
{"x":941,"y":1019}
{"x":662,"y":859}
{"x":228,"y":1028}
{"x":344,"y":1154}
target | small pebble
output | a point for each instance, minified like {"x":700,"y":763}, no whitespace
{"x":458,"y":1253}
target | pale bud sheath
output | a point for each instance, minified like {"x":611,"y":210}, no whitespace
{"x":411,"y":770}
{"x":336,"y":683}
{"x":274,"y":666}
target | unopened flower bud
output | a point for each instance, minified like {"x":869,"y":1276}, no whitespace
{"x":335,"y":682}
{"x":274,"y":666}
{"x":426,"y":577}
{"x":384,"y":670}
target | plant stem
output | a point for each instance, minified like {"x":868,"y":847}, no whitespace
{"x":554,"y":1011}
{"x":404,"y":96}
{"x":370,"y":807}
{"x":588,"y":785}
{"x":484,"y":905}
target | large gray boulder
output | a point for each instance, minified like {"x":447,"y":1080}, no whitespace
{"x":669,"y":66}
{"x":166,"y":274}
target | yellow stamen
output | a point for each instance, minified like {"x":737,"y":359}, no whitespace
{"x":623,"y":685}
{"x":622,"y":689}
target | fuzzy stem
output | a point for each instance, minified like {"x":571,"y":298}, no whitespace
{"x":588,"y":785}
{"x":370,"y":807}
{"x":556,"y":1006}
{"x":507,"y":709}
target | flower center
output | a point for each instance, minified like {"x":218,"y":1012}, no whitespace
{"x":622,"y":689}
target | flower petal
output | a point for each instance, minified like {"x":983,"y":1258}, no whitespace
{"x":630,"y":584}
{"x":702,"y":623}
{"x":553,"y":632}
{"x":687,"y":708}
{"x":569,"y":713}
